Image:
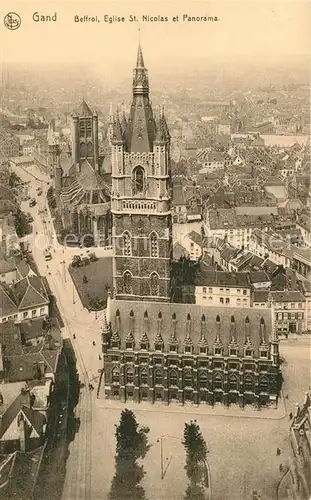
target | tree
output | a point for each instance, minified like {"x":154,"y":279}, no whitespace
{"x":131,"y":445}
{"x":196,"y":451}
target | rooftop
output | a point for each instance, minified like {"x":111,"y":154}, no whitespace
{"x":221,"y":278}
{"x":190,"y":323}
{"x":287,"y":296}
{"x":10,"y":392}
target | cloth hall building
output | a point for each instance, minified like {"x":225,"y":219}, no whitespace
{"x":154,"y":349}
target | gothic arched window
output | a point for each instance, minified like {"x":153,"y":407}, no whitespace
{"x":158,"y":379}
{"x":188,"y":379}
{"x":130,"y":376}
{"x":233,"y":382}
{"x":144,"y":376}
{"x":264,"y":384}
{"x":218,"y":381}
{"x":154,"y":245}
{"x":115,"y":375}
{"x":127,"y":282}
{"x":248,"y":383}
{"x":173,"y":377}
{"x":203,"y":380}
{"x":89,"y":149}
{"x":127,"y":244}
{"x":154,"y":284}
{"x":138,"y":180}
{"x":83,"y":150}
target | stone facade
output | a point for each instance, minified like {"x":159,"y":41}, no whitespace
{"x":141,"y":199}
{"x":173,"y":353}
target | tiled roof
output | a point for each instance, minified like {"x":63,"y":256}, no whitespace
{"x":36,"y":419}
{"x":189,"y":318}
{"x":30,"y":292}
{"x":178,"y":195}
{"x":221,"y":278}
{"x":23,"y":268}
{"x":258,"y":277}
{"x":179,"y":251}
{"x":7,"y":305}
{"x":261,"y":296}
{"x":24,"y":367}
{"x":223,"y":218}
{"x":228,"y":252}
{"x":287,"y":296}
{"x":10,"y":339}
{"x":21,"y":475}
{"x":7,"y":266}
{"x":196,"y":237}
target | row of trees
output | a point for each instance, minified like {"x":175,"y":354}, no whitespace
{"x":132,"y":445}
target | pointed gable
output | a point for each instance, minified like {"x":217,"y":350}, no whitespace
{"x":85,"y":110}
{"x":140,"y":128}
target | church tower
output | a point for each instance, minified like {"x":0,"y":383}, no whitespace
{"x":85,"y":137}
{"x":141,"y":198}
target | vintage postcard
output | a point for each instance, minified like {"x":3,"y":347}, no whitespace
{"x":155,"y":250}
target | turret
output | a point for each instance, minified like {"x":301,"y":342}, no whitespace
{"x":274,"y":339}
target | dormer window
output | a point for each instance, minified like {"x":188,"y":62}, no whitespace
{"x":129,"y":345}
{"x":144,"y":346}
{"x":263,"y":353}
{"x":248,"y":352}
{"x":188,"y":349}
{"x":218,"y":351}
{"x":233,"y":352}
{"x":203,"y":350}
{"x":158,"y":346}
{"x":173,"y":347}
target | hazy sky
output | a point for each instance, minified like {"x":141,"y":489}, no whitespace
{"x":263,"y":31}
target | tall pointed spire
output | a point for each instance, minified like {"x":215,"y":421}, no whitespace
{"x":140,"y":58}
{"x":110,"y":116}
{"x":140,"y":77}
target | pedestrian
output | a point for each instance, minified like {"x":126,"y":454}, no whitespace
{"x":94,"y":342}
{"x":286,"y":397}
{"x":99,"y":357}
{"x":278,"y":451}
{"x":74,"y":336}
{"x":290,"y":416}
{"x":281,"y":467}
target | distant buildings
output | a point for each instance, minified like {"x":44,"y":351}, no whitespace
{"x":9,"y":145}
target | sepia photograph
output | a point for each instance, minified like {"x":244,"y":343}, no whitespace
{"x":155,"y":250}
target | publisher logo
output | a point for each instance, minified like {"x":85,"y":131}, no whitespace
{"x":12,"y":21}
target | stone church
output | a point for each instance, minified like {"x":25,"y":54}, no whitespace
{"x":155,"y":349}
{"x":82,"y":179}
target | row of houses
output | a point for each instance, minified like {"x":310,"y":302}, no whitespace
{"x":231,"y":277}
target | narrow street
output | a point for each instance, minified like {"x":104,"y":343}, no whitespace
{"x":76,"y":321}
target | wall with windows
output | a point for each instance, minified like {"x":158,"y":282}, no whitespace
{"x":28,"y":314}
{"x":207,"y":379}
{"x":222,"y":296}
{"x":290,"y":317}
{"x":143,"y":251}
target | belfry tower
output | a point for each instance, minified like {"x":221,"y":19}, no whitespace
{"x":85,"y":137}
{"x":141,"y":198}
